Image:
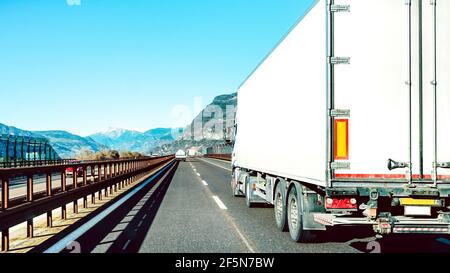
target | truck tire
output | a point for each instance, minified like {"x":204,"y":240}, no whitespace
{"x":247,"y":195}
{"x":280,"y":207}
{"x":295,"y":218}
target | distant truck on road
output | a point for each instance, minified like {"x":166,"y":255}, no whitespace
{"x":346,"y":122}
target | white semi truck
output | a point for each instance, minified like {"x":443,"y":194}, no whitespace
{"x":347,"y":121}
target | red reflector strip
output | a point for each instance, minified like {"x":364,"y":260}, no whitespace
{"x":386,"y":176}
{"x":334,"y":203}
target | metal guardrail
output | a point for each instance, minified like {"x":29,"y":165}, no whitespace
{"x":34,"y":163}
{"x":226,"y":157}
{"x":109,"y":174}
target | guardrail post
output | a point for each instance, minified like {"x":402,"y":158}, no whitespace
{"x":64,"y":212}
{"x":85,"y":202}
{"x":30,"y":188}
{"x":75,"y":206}
{"x":93,"y":198}
{"x":5,"y":193}
{"x":63,"y":181}
{"x":49,"y":184}
{"x":5,"y":240}
{"x":106,"y":192}
{"x":75,"y":178}
{"x":105,"y":171}
{"x":30,"y":228}
{"x":50,"y":219}
{"x":85,"y":176}
{"x":99,"y":170}
{"x":100,"y":195}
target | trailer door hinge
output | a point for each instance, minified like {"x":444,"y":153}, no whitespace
{"x":340,"y":165}
{"x":339,"y":60}
{"x":340,"y":8}
{"x":342,"y":113}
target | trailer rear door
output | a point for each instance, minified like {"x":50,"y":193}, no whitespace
{"x":379,"y":38}
{"x":436,"y":36}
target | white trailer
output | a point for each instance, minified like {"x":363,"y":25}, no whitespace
{"x":347,"y":121}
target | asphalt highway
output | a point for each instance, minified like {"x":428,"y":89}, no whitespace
{"x":191,"y":209}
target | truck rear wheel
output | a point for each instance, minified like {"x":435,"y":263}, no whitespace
{"x":280,"y":207}
{"x":295,"y":218}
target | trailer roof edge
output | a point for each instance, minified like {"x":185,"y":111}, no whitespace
{"x":279,"y":42}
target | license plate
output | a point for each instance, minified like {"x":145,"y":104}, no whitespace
{"x":418,"y":210}
{"x":419,"y":202}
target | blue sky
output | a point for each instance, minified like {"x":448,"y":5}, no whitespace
{"x":128,"y":63}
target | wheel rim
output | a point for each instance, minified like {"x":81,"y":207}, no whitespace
{"x":293,"y":213}
{"x":279,"y":207}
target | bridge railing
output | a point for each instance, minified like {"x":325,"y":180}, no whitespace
{"x":96,"y":176}
{"x":226,"y":157}
{"x":34,"y":163}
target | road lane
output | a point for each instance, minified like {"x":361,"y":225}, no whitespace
{"x":190,"y":221}
{"x":257,"y":223}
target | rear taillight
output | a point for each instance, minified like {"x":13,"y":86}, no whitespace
{"x":341,"y":203}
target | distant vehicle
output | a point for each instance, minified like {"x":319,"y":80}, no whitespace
{"x":155,"y":155}
{"x":69,"y":171}
{"x":181,"y":155}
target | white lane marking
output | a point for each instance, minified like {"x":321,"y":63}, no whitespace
{"x":230,"y":220}
{"x":217,"y":165}
{"x":219,"y":202}
{"x":198,"y":174}
{"x":247,"y":244}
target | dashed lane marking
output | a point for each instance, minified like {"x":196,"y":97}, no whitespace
{"x":219,"y":202}
{"x":217,"y":165}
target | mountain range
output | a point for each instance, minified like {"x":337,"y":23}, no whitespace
{"x":67,"y":145}
{"x":207,"y":129}
{"x":128,"y":140}
{"x":211,"y":127}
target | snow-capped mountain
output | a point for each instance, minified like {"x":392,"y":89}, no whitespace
{"x":123,"y":139}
